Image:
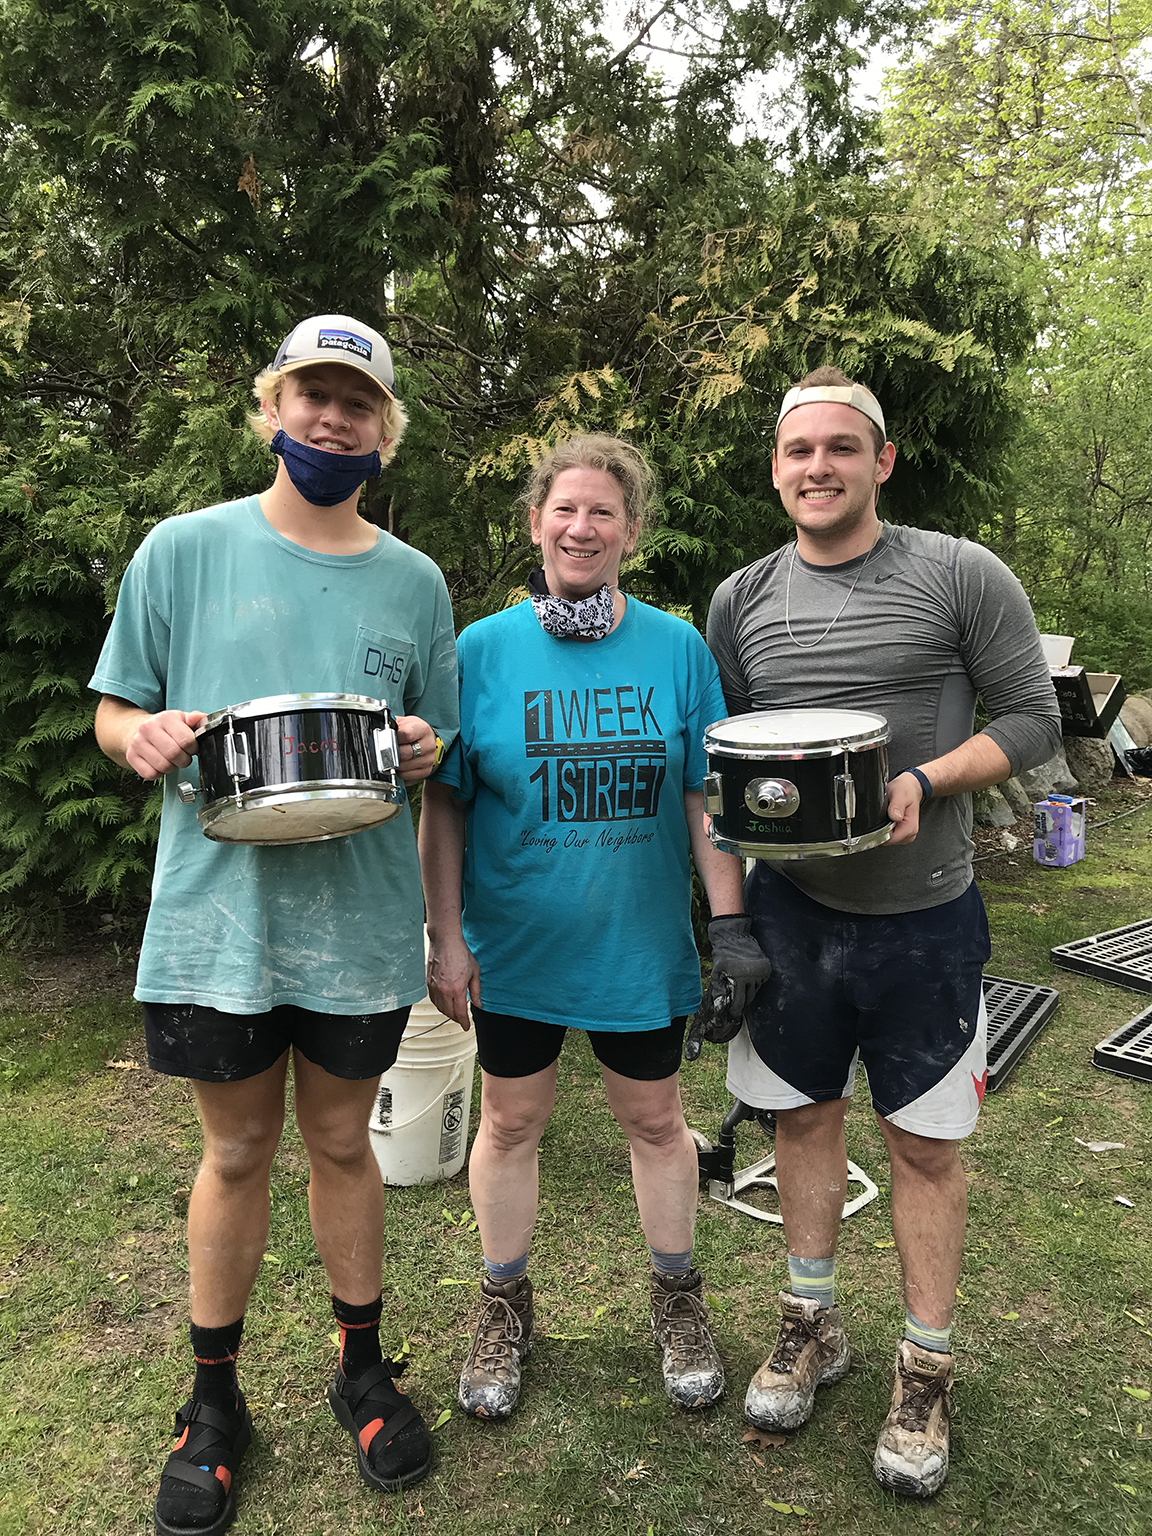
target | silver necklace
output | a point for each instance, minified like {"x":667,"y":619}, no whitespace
{"x":807,"y":645}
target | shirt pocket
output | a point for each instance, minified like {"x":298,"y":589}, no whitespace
{"x":379,"y":667}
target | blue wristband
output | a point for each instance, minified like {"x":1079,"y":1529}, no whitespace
{"x":922,"y":779}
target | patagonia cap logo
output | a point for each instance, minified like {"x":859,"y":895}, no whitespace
{"x":346,"y":341}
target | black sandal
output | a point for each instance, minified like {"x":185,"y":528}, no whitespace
{"x":381,"y":1419}
{"x":206,"y":1437}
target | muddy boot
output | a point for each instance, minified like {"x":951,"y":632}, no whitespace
{"x":912,"y":1452}
{"x":811,"y":1349}
{"x":490,"y":1380}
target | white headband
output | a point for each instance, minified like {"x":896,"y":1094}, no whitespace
{"x":855,"y":395}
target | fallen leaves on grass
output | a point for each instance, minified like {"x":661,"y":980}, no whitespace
{"x":641,"y":1469}
{"x":441,"y":1419}
{"x":1138,"y":1393}
{"x":762,"y":1439}
{"x":124,"y":1066}
{"x":785,"y":1509}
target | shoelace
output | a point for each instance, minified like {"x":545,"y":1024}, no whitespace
{"x":917,"y":1402}
{"x":794,"y":1335}
{"x":686,"y":1319}
{"x":500,"y":1328}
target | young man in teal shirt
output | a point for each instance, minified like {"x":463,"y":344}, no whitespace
{"x":254,"y":952}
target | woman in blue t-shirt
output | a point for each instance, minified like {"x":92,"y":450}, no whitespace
{"x":565,"y":816}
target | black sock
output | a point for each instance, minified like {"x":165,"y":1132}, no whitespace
{"x":359,"y":1336}
{"x":215,"y":1350}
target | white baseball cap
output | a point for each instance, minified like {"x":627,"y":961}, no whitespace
{"x":338,"y":339}
{"x":855,"y":395}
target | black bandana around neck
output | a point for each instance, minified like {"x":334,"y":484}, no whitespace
{"x":586,"y":618}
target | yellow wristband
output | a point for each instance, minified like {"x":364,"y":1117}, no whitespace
{"x":439,"y":758}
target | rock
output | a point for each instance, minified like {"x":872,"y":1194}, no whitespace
{"x":1014,"y":792}
{"x":1136,"y":713}
{"x":1091,"y":761}
{"x":1051,"y":778}
{"x":990,"y":809}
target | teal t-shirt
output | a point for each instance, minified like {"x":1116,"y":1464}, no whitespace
{"x":574,"y":758}
{"x":217,"y":608}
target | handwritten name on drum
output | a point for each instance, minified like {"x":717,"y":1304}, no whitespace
{"x":293,"y":744}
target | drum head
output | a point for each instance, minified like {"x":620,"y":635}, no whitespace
{"x":795,"y":730}
{"x":302,"y":816}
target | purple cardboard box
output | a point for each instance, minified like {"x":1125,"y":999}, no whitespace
{"x":1059,"y":824}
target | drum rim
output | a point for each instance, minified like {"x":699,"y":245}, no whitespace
{"x":214,"y":811}
{"x":826,"y":746}
{"x":294,"y":704}
{"x":316,"y":789}
{"x":839,"y":847}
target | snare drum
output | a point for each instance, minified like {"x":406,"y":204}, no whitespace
{"x":798,"y":783}
{"x":297,"y":768}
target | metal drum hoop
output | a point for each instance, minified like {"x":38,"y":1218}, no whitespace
{"x":292,"y":703}
{"x":213,"y":812}
{"x":784,"y":851}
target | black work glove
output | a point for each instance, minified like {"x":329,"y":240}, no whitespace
{"x":739,"y":969}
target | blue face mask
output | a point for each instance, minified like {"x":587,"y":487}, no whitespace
{"x":324,"y":478}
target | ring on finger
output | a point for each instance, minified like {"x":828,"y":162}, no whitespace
{"x":416,"y":749}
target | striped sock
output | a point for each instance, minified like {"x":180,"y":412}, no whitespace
{"x":815,"y":1278}
{"x":359,"y":1336}
{"x":215,"y":1351}
{"x":938,"y":1340}
{"x":670,"y":1263}
{"x":501,"y":1274}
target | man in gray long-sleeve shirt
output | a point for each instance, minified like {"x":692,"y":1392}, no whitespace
{"x":878,"y":956}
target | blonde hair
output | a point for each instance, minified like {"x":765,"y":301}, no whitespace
{"x":612,"y":456}
{"x":267,"y":388}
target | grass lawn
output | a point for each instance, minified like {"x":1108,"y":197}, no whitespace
{"x":1054,"y":1323}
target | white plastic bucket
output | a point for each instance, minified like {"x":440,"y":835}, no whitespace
{"x":419,"y":1124}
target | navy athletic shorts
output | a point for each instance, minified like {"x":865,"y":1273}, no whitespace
{"x":899,"y":992}
{"x":190,"y":1040}
{"x":511,"y":1047}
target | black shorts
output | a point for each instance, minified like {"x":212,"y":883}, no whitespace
{"x":189,"y":1040}
{"x":512,"y":1047}
{"x":900,"y":992}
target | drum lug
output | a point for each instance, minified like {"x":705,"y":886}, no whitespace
{"x":387,"y":745}
{"x":236,"y":755}
{"x":772,"y":797}
{"x":186,"y":793}
{"x":713,"y":794}
{"x":845,"y":792}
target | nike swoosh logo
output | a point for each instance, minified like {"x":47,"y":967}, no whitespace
{"x":887,"y":576}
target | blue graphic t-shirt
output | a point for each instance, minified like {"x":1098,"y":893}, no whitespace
{"x":217,"y":608}
{"x":574,"y":758}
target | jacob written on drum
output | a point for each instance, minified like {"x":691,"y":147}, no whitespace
{"x":316,"y":950}
{"x":877,"y":955}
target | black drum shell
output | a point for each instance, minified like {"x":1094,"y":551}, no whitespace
{"x":814,"y":823}
{"x":295,"y":748}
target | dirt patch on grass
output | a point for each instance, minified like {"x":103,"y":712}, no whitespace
{"x":48,"y":981}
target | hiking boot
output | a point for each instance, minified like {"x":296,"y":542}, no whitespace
{"x":693,"y":1375}
{"x":912,"y":1452}
{"x":810,"y":1350}
{"x":490,"y":1380}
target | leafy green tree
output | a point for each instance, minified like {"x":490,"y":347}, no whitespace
{"x":554,"y":229}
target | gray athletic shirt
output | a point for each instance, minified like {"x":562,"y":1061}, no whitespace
{"x":933,"y":622}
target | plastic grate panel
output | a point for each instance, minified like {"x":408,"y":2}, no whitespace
{"x":1122,"y":956}
{"x":1128,"y":1052}
{"x":1017,"y":1013}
